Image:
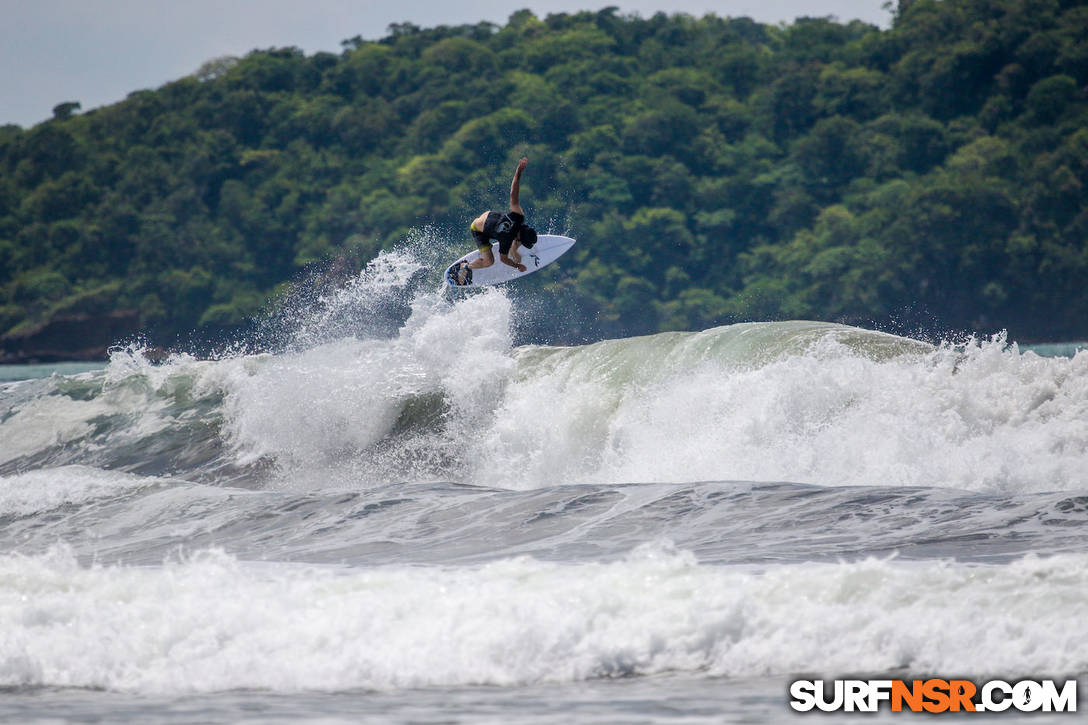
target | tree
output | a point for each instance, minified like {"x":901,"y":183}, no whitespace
{"x":64,"y":111}
{"x":934,"y":174}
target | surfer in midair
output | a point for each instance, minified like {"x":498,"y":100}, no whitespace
{"x":506,"y":228}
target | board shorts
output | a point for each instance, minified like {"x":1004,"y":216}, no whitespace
{"x":482,"y":242}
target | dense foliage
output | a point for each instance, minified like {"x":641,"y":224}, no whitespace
{"x":933,"y":174}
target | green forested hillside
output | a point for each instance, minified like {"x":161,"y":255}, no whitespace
{"x":928,"y":175}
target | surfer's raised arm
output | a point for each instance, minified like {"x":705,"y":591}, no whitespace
{"x":507,"y":228}
{"x":515,"y":186}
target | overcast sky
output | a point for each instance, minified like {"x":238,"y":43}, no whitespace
{"x":98,"y":51}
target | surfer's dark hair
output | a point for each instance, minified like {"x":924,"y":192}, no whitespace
{"x":528,"y":237}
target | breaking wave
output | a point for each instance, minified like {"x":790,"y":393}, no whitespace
{"x":443,"y":394}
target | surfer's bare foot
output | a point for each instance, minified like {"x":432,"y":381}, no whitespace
{"x":462,"y":274}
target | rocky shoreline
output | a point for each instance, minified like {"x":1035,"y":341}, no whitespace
{"x":80,"y":337}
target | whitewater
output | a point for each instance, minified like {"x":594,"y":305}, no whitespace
{"x":398,"y":513}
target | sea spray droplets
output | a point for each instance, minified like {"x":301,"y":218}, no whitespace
{"x":370,"y":305}
{"x":349,"y":410}
{"x":324,"y":307}
{"x":338,"y":388}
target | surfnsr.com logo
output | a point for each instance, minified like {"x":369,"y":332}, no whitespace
{"x":933,"y":695}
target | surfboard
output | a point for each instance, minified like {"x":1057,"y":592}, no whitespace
{"x":548,"y":248}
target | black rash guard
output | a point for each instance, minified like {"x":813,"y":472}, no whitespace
{"x":500,"y":226}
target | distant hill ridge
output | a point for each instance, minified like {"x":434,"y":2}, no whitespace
{"x":929,"y":176}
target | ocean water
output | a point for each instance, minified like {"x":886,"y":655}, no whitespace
{"x":400,"y":515}
{"x":11,"y":373}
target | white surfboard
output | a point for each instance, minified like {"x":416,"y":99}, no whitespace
{"x":547,"y":249}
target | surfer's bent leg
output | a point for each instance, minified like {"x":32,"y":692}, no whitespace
{"x":486,"y":259}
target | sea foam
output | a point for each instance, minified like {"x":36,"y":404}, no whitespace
{"x":212,"y":623}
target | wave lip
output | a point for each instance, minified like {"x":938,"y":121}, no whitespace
{"x":800,"y":402}
{"x":132,"y":416}
{"x":213,"y":624}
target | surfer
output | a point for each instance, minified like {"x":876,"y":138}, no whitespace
{"x":508,"y":229}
